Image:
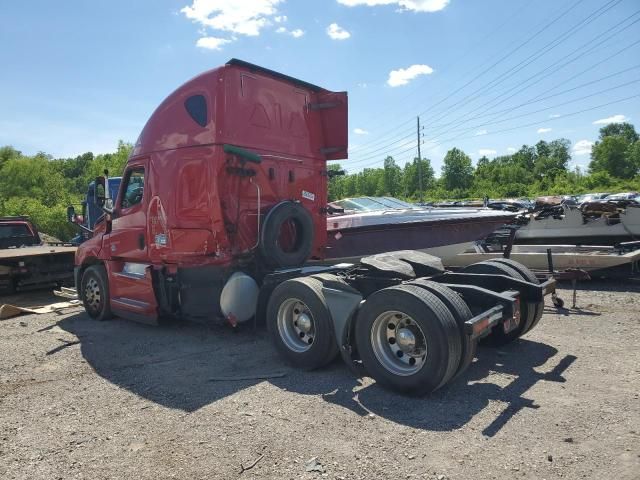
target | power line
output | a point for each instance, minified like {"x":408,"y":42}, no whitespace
{"x":564,"y":82}
{"x":415,"y":86}
{"x":386,"y":147}
{"x":540,"y":99}
{"x":607,"y":90}
{"x":528,"y":40}
{"x":590,"y":18}
{"x":510,"y":72}
{"x":594,"y":15}
{"x":461,"y":136}
{"x":507,"y":55}
{"x":547,"y":120}
{"x":532,"y":78}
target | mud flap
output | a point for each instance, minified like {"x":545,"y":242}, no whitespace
{"x":343,"y":301}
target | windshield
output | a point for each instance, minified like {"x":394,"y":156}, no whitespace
{"x":14,"y":230}
{"x":370,"y":204}
{"x":13,"y":235}
{"x":394,"y":202}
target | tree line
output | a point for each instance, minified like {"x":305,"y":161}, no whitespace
{"x":42,"y":186}
{"x":542,"y":169}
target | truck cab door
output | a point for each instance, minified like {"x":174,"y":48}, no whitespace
{"x":131,"y":288}
{"x":127,"y":238}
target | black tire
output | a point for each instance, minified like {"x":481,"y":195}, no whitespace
{"x":323,"y":347}
{"x":497,"y":337}
{"x":461,"y":312}
{"x":439,"y":329}
{"x":94,"y":291}
{"x":529,"y":276}
{"x":271,"y":252}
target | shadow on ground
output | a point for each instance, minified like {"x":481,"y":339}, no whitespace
{"x":188,"y":366}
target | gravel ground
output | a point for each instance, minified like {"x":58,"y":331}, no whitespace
{"x":82,"y":399}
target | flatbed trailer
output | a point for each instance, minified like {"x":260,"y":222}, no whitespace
{"x":26,"y":262}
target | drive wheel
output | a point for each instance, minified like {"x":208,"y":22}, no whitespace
{"x":94,"y":289}
{"x":498,"y":337}
{"x":407,"y":339}
{"x":529,"y":276}
{"x":300,"y":323}
{"x":461,"y":313}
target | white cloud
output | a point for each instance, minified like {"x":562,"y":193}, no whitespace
{"x":614,"y":119}
{"x":555,"y":115}
{"x":413,"y":5}
{"x":363,"y":85}
{"x":212,"y":43}
{"x":582,"y":147}
{"x":511,"y":150}
{"x":544,"y":130}
{"x":360,"y":131}
{"x":280,"y":18}
{"x":485,"y":152}
{"x":480,"y":132}
{"x":247,"y":17}
{"x":402,"y":76}
{"x":336,"y":32}
{"x":297,"y":33}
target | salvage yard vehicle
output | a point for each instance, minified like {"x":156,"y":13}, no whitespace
{"x":25,"y":261}
{"x":222,"y":205}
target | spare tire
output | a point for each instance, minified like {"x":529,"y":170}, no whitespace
{"x":286,"y":236}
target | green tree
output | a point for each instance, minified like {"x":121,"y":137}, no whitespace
{"x":410,"y":177}
{"x":336,"y":183}
{"x":391,"y":178}
{"x":7,"y":153}
{"x":614,"y":155}
{"x":457,"y":170}
{"x":616,"y":152}
{"x":32,"y":177}
{"x":625,"y":130}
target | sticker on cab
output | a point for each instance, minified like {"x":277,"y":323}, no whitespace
{"x":308,"y":195}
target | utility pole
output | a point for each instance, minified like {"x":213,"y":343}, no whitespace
{"x":419,"y":165}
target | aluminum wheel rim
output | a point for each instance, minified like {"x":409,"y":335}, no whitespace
{"x":398,"y":343}
{"x":92,"y":294}
{"x":296,"y":325}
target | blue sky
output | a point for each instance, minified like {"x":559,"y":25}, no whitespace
{"x":485,"y":75}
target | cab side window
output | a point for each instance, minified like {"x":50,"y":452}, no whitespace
{"x":133,"y":188}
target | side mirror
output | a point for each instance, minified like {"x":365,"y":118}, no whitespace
{"x":100,"y":197}
{"x":71,"y":214}
{"x":99,"y":192}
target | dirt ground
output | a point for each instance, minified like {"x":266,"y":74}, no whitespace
{"x":82,"y":399}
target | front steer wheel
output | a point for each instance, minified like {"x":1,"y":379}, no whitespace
{"x":94,"y":291}
{"x":300,"y":323}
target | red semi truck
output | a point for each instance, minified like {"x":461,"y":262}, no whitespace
{"x":224,"y":201}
